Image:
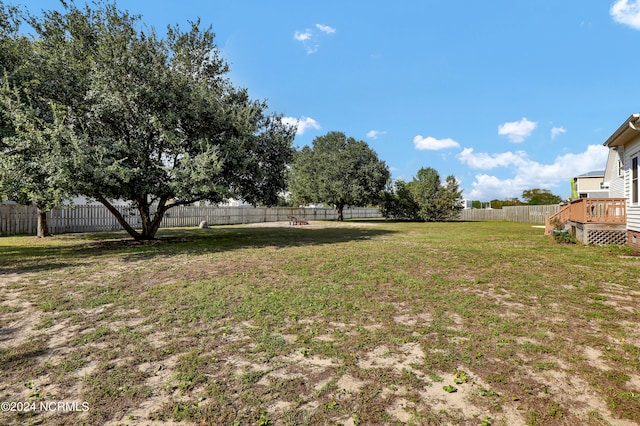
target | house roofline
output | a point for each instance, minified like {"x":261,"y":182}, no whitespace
{"x":593,"y":173}
{"x":627,"y":131}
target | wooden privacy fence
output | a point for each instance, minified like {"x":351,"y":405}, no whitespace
{"x":525,"y":214}
{"x":16,"y":219}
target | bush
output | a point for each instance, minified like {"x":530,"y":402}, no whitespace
{"x":564,"y":237}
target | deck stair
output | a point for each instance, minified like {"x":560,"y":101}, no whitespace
{"x":559,"y":220}
{"x":592,"y":220}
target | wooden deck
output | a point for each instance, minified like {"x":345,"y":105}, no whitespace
{"x":609,"y":211}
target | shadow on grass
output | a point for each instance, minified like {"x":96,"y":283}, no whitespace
{"x":21,"y":356}
{"x":68,"y":249}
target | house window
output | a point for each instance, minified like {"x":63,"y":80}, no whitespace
{"x":634,"y":180}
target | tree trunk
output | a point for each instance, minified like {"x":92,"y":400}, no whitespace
{"x":150,"y":227}
{"x":145,"y":219}
{"x":121,"y":220}
{"x":43,"y":228}
{"x":339,"y":210}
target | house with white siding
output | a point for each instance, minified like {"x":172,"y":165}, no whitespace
{"x":614,"y":173}
{"x":607,"y":207}
{"x":623,"y":173}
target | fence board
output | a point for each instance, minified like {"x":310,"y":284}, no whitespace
{"x":525,"y":214}
{"x":16,"y":219}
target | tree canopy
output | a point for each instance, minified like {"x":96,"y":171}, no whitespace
{"x":398,"y":202}
{"x":534,"y":196}
{"x":425,"y":198}
{"x":30,"y":159}
{"x":148,"y":120}
{"x":337,"y":170}
{"x":539,"y":197}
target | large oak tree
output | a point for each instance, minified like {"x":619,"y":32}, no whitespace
{"x":337,"y":170}
{"x":154,"y":121}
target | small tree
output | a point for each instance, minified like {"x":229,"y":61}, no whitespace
{"x":450,"y":199}
{"x":424,"y":198}
{"x":426,"y":190}
{"x":337,"y":170}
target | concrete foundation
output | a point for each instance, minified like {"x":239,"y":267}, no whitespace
{"x":599,"y":233}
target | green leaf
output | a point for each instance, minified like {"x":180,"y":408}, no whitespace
{"x":450,"y":389}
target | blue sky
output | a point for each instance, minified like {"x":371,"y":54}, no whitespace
{"x":504,"y":95}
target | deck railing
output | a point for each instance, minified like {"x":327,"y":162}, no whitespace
{"x":590,"y":210}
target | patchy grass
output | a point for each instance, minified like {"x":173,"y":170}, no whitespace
{"x":366,"y":322}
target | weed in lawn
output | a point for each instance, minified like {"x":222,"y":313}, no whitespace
{"x":48,"y":305}
{"x":460,"y":377}
{"x":554,"y":410}
{"x":546,"y":365}
{"x":22,"y":357}
{"x":271,"y":345}
{"x":191,"y":369}
{"x":294,"y":417}
{"x":487,"y":392}
{"x":251,"y":377}
{"x":4,"y":309}
{"x":93,"y":336}
{"x":486,"y":421}
{"x":114,"y":388}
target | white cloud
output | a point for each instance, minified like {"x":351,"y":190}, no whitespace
{"x":557,"y":131}
{"x":325,"y":29}
{"x":374,"y":134}
{"x":486,"y":161}
{"x":306,"y":38}
{"x":486,"y":188}
{"x":517,"y":131}
{"x":309,"y":37}
{"x":302,"y":124}
{"x":303,"y":36}
{"x":528,"y":174}
{"x":432,"y":144}
{"x":626,"y":12}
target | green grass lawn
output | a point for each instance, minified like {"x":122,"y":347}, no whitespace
{"x":365,"y":323}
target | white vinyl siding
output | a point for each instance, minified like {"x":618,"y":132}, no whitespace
{"x":614,"y":173}
{"x":631,"y":151}
{"x":634,"y":180}
{"x":616,"y":187}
